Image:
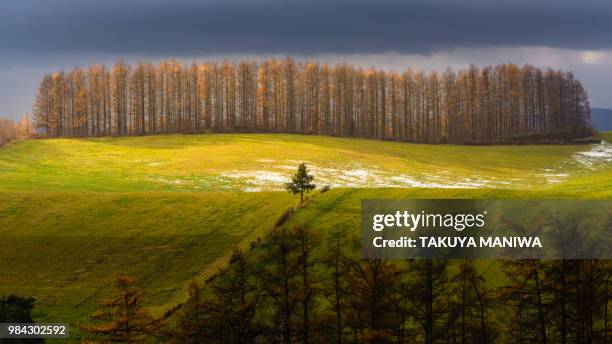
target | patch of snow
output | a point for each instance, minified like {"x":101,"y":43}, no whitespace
{"x":555,"y":177}
{"x":439,"y":182}
{"x":359,"y":173}
{"x":272,"y":177}
{"x":258,"y":177}
{"x":596,"y":155}
{"x":366,"y":176}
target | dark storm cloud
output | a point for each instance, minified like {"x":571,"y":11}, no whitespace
{"x":39,"y":36}
{"x":301,"y":27}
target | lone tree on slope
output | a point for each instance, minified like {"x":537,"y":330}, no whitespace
{"x":300,"y":182}
{"x":122,"y":319}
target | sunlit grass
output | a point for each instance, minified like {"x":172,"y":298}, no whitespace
{"x":233,"y":162}
{"x":75,"y":211}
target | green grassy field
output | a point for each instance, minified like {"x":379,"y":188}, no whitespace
{"x":260,"y":162}
{"x":75,"y":211}
{"x":62,"y":248}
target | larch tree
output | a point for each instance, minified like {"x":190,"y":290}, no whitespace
{"x":122,"y":319}
{"x":501,"y":104}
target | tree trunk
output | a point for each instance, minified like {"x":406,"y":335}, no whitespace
{"x":540,"y":306}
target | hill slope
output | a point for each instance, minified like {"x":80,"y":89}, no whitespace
{"x":256,"y":162}
{"x":63,"y":248}
{"x":63,"y":238}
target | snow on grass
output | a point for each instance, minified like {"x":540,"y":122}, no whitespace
{"x":555,"y":177}
{"x":254,"y":181}
{"x":271,"y":175}
{"x":350,"y":176}
{"x":258,"y":177}
{"x":441,"y":182}
{"x":194,"y":182}
{"x":597,"y":155}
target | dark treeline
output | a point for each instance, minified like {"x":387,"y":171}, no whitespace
{"x":492,"y":104}
{"x":300,"y":286}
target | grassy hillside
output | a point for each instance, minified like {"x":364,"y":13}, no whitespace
{"x":62,"y":248}
{"x":256,"y":162}
{"x":75,"y":211}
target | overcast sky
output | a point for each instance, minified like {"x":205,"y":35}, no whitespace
{"x":38,"y":36}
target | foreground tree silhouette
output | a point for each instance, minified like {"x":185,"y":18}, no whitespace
{"x":123,"y":320}
{"x":300,"y":182}
{"x":236,"y":297}
{"x":279,"y":271}
{"x":16,"y":309}
{"x":194,"y":319}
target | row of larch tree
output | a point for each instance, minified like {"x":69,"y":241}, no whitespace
{"x":492,"y":104}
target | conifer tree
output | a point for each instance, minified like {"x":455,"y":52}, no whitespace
{"x":473,"y":303}
{"x":301,"y":182}
{"x":236,"y":298}
{"x":279,"y":271}
{"x":195,"y":318}
{"x":122,"y":319}
{"x":505,"y":103}
{"x":338,"y":262}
